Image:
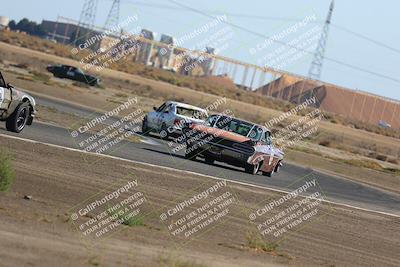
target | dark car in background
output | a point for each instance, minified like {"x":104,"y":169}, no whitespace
{"x":72,"y":73}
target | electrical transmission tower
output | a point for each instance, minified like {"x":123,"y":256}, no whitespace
{"x":316,"y":65}
{"x":87,"y":18}
{"x":113,"y":16}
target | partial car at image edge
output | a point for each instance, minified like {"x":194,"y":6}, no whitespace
{"x":17,"y":108}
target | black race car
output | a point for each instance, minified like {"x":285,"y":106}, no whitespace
{"x":72,"y":73}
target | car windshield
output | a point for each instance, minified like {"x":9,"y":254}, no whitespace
{"x":191,"y":113}
{"x":256,"y":133}
{"x":210,"y":120}
{"x":79,"y":71}
{"x":234,"y":125}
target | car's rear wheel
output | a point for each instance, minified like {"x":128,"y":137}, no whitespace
{"x":252,"y":169}
{"x":145,"y":127}
{"x":17,"y":121}
{"x":190,"y":153}
{"x":93,"y":83}
{"x":209,"y":160}
{"x":55,"y":74}
{"x":164,"y":131}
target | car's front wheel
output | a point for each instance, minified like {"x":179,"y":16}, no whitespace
{"x":252,"y":169}
{"x":278,"y":166}
{"x":268,"y":174}
{"x":191,"y":152}
{"x":17,"y":121}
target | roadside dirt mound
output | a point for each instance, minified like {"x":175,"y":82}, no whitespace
{"x":221,"y":81}
{"x":277,"y":86}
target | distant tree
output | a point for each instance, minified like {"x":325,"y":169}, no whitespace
{"x":39,"y":31}
{"x":26,"y":26}
{"x":30,"y":27}
{"x":12,"y":25}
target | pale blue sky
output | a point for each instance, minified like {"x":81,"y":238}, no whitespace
{"x":378,"y":20}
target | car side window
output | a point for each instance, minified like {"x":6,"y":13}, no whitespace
{"x":211,"y":120}
{"x":169,"y":108}
{"x":161,"y":108}
{"x":2,"y":82}
{"x":267,"y":138}
{"x":257,"y":134}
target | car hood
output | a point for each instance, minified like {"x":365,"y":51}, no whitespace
{"x":220,"y":133}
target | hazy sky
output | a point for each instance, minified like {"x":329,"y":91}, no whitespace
{"x":377,"y":20}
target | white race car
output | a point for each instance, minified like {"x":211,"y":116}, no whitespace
{"x":170,"y":118}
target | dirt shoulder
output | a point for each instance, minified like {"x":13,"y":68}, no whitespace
{"x":40,"y":232}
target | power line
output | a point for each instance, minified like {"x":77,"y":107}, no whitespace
{"x":269,"y":18}
{"x":161,"y":6}
{"x":287,"y":45}
{"x":365,"y":38}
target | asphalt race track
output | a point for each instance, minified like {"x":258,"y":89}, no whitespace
{"x":157,"y":152}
